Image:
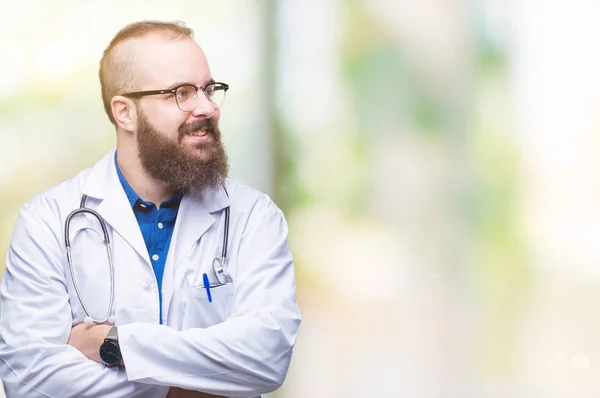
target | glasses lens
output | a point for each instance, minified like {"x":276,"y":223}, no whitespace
{"x":186,"y":98}
{"x":216,"y":93}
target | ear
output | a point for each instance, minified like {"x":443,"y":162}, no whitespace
{"x":124,"y":112}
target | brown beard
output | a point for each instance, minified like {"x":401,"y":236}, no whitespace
{"x":165,"y":160}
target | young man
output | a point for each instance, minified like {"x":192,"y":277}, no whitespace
{"x":154,"y":312}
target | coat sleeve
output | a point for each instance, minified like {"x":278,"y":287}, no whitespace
{"x":250,"y":352}
{"x":36,"y":321}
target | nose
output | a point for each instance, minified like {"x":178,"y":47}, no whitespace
{"x":204,"y":107}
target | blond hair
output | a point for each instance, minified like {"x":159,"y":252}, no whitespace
{"x":117,"y":72}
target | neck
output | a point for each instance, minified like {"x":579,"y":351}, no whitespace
{"x":148,"y":188}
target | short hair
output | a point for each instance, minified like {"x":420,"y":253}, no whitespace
{"x":117,"y":73}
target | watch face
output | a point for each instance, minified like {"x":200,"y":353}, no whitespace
{"x":110,"y":353}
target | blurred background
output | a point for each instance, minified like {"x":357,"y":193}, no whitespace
{"x":437,"y":161}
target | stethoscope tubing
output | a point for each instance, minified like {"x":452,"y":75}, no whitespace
{"x":84,"y":210}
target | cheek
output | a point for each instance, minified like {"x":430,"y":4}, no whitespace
{"x":168,"y":122}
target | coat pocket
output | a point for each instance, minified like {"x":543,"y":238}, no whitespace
{"x":202,"y":313}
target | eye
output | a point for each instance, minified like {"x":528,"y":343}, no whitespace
{"x":184,"y":93}
{"x":209,"y":90}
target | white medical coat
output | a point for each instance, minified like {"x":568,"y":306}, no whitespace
{"x":238,"y":345}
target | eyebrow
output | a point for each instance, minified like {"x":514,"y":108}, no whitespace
{"x":172,"y":86}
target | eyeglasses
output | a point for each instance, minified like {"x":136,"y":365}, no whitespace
{"x":186,"y":95}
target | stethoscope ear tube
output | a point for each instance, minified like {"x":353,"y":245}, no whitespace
{"x":219,"y":262}
{"x":225,"y":235}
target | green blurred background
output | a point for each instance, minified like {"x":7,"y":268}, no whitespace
{"x":436,"y":161}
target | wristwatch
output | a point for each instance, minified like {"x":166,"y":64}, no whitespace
{"x":110,"y":352}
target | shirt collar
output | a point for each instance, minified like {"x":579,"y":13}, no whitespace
{"x":133,"y":197}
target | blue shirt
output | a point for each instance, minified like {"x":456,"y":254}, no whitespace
{"x":157,"y":227}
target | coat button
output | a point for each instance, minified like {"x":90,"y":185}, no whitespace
{"x":146,"y":284}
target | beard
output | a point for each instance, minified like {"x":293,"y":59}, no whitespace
{"x":202,"y":166}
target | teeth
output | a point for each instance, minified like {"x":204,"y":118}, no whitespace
{"x":200,"y":133}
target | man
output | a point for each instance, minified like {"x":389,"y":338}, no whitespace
{"x":180,"y":324}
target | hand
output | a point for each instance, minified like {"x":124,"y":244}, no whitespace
{"x":88,"y":339}
{"x":176,"y":392}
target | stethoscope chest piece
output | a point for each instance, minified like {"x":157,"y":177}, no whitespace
{"x":220,"y":271}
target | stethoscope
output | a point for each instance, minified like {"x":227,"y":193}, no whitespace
{"x":219,"y":263}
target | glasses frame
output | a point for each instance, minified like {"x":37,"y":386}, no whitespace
{"x":140,"y":94}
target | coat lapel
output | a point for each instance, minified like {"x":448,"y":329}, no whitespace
{"x":103,"y":185}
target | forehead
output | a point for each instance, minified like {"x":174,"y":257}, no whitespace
{"x":161,"y":61}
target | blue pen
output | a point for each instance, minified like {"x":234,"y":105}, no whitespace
{"x":207,"y":287}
